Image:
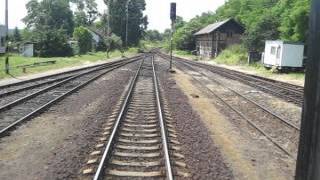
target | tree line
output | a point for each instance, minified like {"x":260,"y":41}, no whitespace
{"x":52,"y":25}
{"x":262,"y":19}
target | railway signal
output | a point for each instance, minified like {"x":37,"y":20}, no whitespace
{"x":173,"y":16}
{"x":308,"y":162}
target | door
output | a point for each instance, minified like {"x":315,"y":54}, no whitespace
{"x":278,"y":56}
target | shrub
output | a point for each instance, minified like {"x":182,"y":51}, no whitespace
{"x":233,"y":55}
{"x":84,"y":38}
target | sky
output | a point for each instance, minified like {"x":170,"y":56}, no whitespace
{"x":158,"y":11}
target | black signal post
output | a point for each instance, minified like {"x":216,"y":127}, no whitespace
{"x":173,"y":17}
{"x":308,"y":162}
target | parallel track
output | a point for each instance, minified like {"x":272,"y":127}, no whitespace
{"x":19,"y":110}
{"x":38,"y":83}
{"x":271,"y":125}
{"x":286,"y":91}
{"x":137,"y":145}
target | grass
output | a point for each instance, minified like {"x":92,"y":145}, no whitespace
{"x":236,"y":57}
{"x":61,"y":62}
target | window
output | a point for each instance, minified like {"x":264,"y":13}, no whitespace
{"x":273,"y":50}
{"x":229,"y":34}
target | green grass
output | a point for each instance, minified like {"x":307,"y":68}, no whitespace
{"x":61,"y":62}
{"x":234,"y":55}
{"x":185,"y":54}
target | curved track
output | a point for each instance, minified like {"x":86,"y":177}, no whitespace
{"x":19,"y":107}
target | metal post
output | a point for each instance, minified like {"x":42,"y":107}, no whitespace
{"x":7,"y":18}
{"x":7,"y":68}
{"x":173,"y":17}
{"x":171,"y":44}
{"x":127,"y":22}
{"x":308,"y":162}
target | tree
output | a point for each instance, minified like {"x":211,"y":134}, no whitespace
{"x":84,"y":38}
{"x":137,"y":22}
{"x":51,"y":23}
{"x":112,"y":42}
{"x":153,"y":35}
{"x":87,"y":12}
{"x":16,"y":35}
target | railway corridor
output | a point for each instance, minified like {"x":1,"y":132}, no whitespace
{"x":132,"y":119}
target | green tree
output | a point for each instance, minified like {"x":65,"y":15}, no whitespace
{"x":137,"y":22}
{"x":51,"y":23}
{"x":84,"y":38}
{"x":86,"y":13}
{"x":16,"y":35}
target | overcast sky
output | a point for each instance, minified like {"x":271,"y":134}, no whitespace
{"x":157,"y":11}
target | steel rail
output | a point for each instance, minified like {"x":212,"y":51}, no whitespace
{"x":246,"y":98}
{"x":162,"y":125}
{"x":298,"y":101}
{"x":290,"y":87}
{"x":6,"y":130}
{"x":246,"y":118}
{"x":32,"y":86}
{"x":21,"y":100}
{"x":111,"y":139}
{"x":62,"y":73}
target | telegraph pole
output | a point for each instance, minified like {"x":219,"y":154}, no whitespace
{"x":308,"y":162}
{"x":7,"y":18}
{"x":6,"y":38}
{"x":173,"y":17}
{"x":127,"y":22}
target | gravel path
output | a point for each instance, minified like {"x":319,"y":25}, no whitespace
{"x":55,"y":144}
{"x":203,"y":157}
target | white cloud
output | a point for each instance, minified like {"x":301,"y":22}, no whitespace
{"x":157,"y":11}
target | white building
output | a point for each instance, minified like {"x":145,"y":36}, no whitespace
{"x":2,"y":39}
{"x":283,"y":54}
{"x":27,"y":49}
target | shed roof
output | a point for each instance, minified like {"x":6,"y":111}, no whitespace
{"x":212,"y":27}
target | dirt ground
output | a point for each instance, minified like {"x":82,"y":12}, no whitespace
{"x":250,"y":157}
{"x":55,"y":144}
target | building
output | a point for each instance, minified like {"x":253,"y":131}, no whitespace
{"x":2,"y":39}
{"x":27,"y":49}
{"x":211,"y":40}
{"x":282,"y":55}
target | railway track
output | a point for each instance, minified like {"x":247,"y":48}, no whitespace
{"x":22,"y":105}
{"x":32,"y":84}
{"x":138,"y":141}
{"x":281,"y":132}
{"x":286,"y":91}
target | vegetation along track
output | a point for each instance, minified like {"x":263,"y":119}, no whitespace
{"x":14,"y":110}
{"x":138,"y":141}
{"x":37,"y":83}
{"x":281,"y":132}
{"x":286,"y":91}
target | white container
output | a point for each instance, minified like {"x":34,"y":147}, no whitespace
{"x":281,"y":54}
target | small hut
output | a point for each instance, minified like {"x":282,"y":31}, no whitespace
{"x":214,"y":38}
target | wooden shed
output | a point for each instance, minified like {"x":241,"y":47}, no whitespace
{"x":211,"y":40}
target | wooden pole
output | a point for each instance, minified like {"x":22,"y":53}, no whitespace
{"x":308,"y":162}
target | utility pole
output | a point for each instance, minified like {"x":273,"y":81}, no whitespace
{"x":7,"y":18}
{"x":308,"y":161}
{"x":6,"y":38}
{"x":127,"y":22}
{"x":173,"y":17}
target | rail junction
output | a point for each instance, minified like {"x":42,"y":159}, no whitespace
{"x":139,"y":138}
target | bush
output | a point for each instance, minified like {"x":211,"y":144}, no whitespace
{"x":84,"y":38}
{"x":233,"y":55}
{"x":51,"y":43}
